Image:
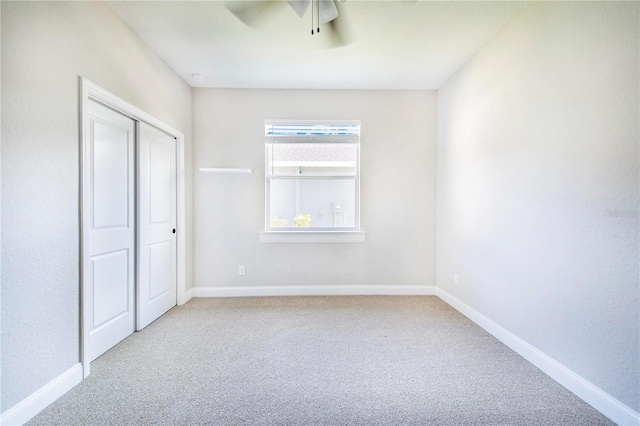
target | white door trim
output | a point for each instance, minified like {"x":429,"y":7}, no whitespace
{"x":89,"y":90}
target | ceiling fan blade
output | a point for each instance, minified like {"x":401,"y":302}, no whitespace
{"x":299,"y":6}
{"x":253,"y":13}
{"x":327,"y":11}
{"x":341,"y":31}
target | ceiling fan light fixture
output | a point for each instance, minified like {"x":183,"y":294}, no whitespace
{"x":327,"y":11}
{"x":299,"y":6}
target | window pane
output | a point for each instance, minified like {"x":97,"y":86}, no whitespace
{"x":304,"y":203}
{"x":312,"y":159}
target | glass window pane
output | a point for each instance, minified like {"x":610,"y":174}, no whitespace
{"x":312,"y":159}
{"x":312,"y":203}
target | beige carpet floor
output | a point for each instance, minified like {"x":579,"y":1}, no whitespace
{"x":363,"y":360}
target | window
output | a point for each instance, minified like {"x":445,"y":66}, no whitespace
{"x":312,"y":176}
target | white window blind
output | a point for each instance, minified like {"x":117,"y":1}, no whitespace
{"x":280,"y":131}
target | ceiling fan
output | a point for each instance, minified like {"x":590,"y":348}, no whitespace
{"x":329,"y":12}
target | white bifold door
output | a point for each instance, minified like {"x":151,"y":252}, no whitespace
{"x":132,"y":244}
{"x":157,"y":246}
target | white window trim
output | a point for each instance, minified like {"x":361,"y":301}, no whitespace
{"x":313,"y":235}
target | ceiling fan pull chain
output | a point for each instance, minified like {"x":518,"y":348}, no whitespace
{"x":318,"y":1}
{"x":311,"y":17}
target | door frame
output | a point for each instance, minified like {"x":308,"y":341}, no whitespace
{"x":89,"y":90}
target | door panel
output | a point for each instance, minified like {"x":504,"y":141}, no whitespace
{"x":157,"y":273}
{"x":110,"y":302}
{"x":160,"y":269}
{"x":110,"y":177}
{"x":160,"y":171}
{"x":111,"y":248}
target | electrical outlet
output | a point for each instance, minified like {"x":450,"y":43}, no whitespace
{"x":456,"y":279}
{"x":241,"y":270}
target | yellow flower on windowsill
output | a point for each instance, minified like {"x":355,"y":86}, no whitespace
{"x":302,"y":220}
{"x":278,"y":222}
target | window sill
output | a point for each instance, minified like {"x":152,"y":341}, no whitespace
{"x":312,"y":236}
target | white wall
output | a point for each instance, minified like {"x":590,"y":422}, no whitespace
{"x":45,"y":47}
{"x":397,"y":188}
{"x":537,"y":198}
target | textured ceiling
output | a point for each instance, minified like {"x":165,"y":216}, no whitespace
{"x":394,"y":44}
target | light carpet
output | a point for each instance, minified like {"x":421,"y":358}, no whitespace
{"x":357,"y":360}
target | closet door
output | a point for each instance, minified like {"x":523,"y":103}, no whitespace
{"x":111,"y":250}
{"x":157,"y":255}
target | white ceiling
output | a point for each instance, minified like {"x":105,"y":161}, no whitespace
{"x":402,"y":45}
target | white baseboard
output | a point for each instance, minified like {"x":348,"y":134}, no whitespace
{"x":594,"y":396}
{"x":40,"y":399}
{"x":316,"y":290}
{"x":186,"y":296}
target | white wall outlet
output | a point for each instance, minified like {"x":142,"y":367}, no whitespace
{"x":241,"y":270}
{"x":456,"y":279}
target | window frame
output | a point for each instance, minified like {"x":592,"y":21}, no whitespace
{"x":311,"y":234}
